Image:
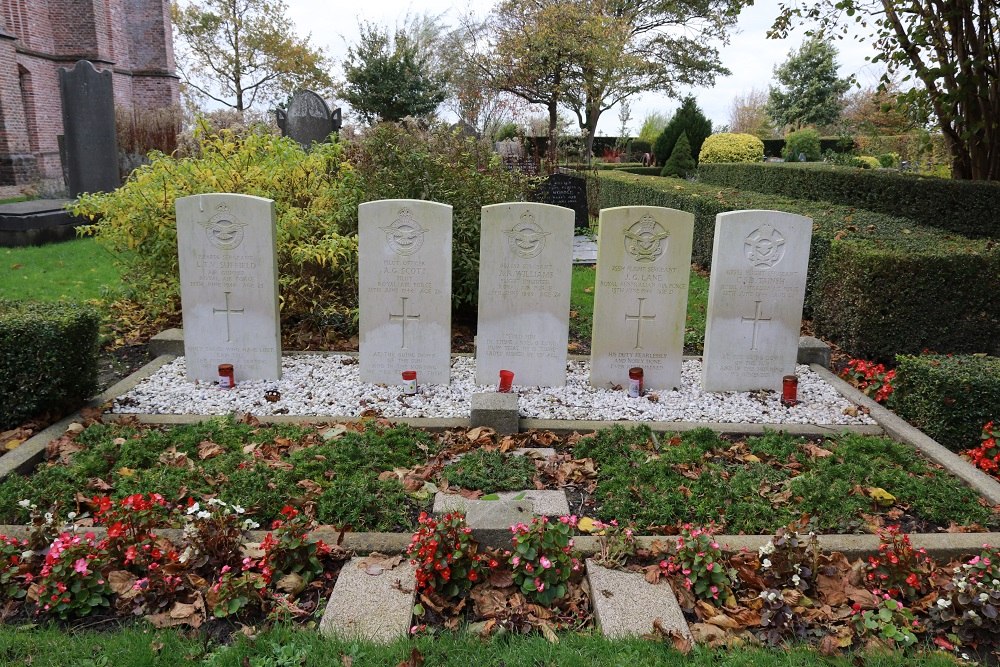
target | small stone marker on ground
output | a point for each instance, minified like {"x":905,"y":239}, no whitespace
{"x":373,"y":607}
{"x":404,"y":257}
{"x":758,"y":284}
{"x":88,"y":112}
{"x":640,"y":297}
{"x":626,"y":605}
{"x":308,"y":119}
{"x":229,"y":286}
{"x":525,"y":271}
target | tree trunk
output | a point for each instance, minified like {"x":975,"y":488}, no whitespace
{"x":550,"y":152}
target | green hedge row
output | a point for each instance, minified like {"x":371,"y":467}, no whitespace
{"x":965,"y":207}
{"x":950,"y":398}
{"x":48,"y":358}
{"x":877,"y":286}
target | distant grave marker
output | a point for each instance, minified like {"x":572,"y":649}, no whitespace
{"x":229,"y":286}
{"x":90,"y":140}
{"x":755,"y":296}
{"x":525,"y":272}
{"x":308,"y":119}
{"x":569,"y":192}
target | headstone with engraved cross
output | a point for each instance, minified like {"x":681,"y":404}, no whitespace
{"x":525,"y":272}
{"x":755,"y":296}
{"x":229,"y":286}
{"x":404,"y":261}
{"x":640,"y":298}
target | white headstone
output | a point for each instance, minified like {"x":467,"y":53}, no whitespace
{"x":758,"y":283}
{"x":525,"y":271}
{"x":229,"y":286}
{"x":640,"y":299}
{"x":404,"y":258}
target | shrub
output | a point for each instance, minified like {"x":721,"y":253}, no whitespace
{"x":48,"y":358}
{"x":316,"y":201}
{"x":868,"y":162}
{"x":802,"y":142}
{"x":970,"y":208}
{"x":877,"y":285}
{"x":394,"y":162}
{"x":680,"y":163}
{"x":687,"y":119}
{"x":948,"y":397}
{"x":888,"y":160}
{"x":728,"y":147}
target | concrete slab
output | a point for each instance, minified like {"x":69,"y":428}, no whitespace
{"x":374,"y":608}
{"x":626,"y":605}
{"x":540,"y":503}
{"x":496,"y":411}
{"x":491,"y":520}
{"x":813,"y":351}
{"x":169,"y":341}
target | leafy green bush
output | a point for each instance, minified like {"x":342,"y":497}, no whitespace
{"x":680,"y":163}
{"x":970,"y":208}
{"x":802,"y":142}
{"x":731,"y":147}
{"x":888,"y":160}
{"x":949,"y":398}
{"x":316,"y":200}
{"x":48,"y":358}
{"x":889,"y":289}
{"x":396,"y":162}
{"x":688,"y":119}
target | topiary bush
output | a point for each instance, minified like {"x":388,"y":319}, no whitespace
{"x":947,"y":397}
{"x":48,"y":358}
{"x":687,"y":119}
{"x":680,"y":163}
{"x":731,"y":147}
{"x":396,"y":162}
{"x":316,"y":198}
{"x":802,"y":142}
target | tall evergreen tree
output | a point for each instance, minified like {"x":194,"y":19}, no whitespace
{"x":687,"y":119}
{"x":809,"y":91}
{"x":680,"y":163}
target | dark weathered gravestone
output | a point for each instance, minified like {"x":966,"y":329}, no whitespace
{"x":567,"y":191}
{"x":88,"y":110}
{"x":308,"y":119}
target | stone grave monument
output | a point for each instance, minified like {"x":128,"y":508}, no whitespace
{"x":640,"y":297}
{"x":229,"y":286}
{"x":755,"y":295}
{"x":90,"y":141}
{"x":525,"y":268}
{"x":404,"y":260}
{"x":569,"y":191}
{"x":308,"y":119}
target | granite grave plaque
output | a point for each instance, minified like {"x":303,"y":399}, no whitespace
{"x":90,"y":141}
{"x":569,"y":192}
{"x":308,"y":119}
{"x":640,"y":296}
{"x":229,"y":286}
{"x":404,"y":258}
{"x":525,"y":271}
{"x":755,"y":295}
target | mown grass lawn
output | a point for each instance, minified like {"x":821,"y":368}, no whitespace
{"x":78,"y":270}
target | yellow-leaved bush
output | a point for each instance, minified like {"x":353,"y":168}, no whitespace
{"x":731,"y":147}
{"x":316,"y":198}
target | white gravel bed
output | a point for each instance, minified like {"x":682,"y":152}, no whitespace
{"x":328,"y":385}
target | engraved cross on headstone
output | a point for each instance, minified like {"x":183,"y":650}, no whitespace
{"x":402,"y":318}
{"x":639,"y":317}
{"x":755,"y":319}
{"x":228,"y":311}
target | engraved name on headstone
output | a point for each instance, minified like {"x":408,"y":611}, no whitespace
{"x":229,"y":286}
{"x":755,"y":295}
{"x":640,"y":298}
{"x":525,"y":271}
{"x":404,"y":260}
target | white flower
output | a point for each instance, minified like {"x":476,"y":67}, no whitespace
{"x":796,"y":579}
{"x":204,"y":514}
{"x":215,"y":501}
{"x":71,"y":516}
{"x":971,"y":614}
{"x":766,"y":563}
{"x":194,"y":508}
{"x":766,"y":549}
{"x":238,"y":509}
{"x":186,"y":555}
{"x":944,"y":603}
{"x":983,"y":597}
{"x":48,"y":517}
{"x":250,"y":524}
{"x":25,"y":503}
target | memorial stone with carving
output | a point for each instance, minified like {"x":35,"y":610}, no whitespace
{"x":640,"y":296}
{"x":755,"y":296}
{"x":525,"y":271}
{"x":308,"y":119}
{"x":229,"y":286}
{"x":404,"y":260}
{"x":90,"y":140}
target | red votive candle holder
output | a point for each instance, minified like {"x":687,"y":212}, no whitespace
{"x":789,"y":390}
{"x":506,"y":380}
{"x":227,"y":377}
{"x":635,"y":382}
{"x":409,"y":382}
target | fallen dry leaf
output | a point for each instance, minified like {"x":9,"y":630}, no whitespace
{"x":376,"y":563}
{"x":208,"y":449}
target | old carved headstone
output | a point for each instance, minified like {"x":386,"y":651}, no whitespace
{"x":308,"y":119}
{"x":91,"y":145}
{"x":569,"y":192}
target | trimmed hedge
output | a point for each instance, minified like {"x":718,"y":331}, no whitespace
{"x":970,"y":208}
{"x":889,"y":288}
{"x":774,"y":147}
{"x":950,"y":398}
{"x":48,"y":358}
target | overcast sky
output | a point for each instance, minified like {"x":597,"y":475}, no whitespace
{"x":750,"y":55}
